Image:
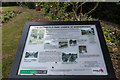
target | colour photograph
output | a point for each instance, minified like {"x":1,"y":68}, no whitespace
{"x":63,"y":44}
{"x":82,"y":49}
{"x":72,"y":42}
{"x":87,"y":31}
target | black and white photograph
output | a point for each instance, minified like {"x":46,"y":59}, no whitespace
{"x":72,"y":42}
{"x":69,"y":57}
{"x":37,"y":35}
{"x":31,"y":55}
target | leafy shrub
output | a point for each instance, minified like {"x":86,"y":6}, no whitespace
{"x":63,"y":11}
{"x":112,"y":37}
{"x":9,"y":14}
{"x":57,"y":11}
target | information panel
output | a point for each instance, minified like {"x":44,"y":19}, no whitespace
{"x":62,"y":50}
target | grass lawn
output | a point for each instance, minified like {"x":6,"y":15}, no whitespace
{"x":11,"y":33}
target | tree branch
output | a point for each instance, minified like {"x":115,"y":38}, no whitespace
{"x":80,"y":13}
{"x":82,"y":4}
{"x":75,"y":14}
{"x":92,"y":9}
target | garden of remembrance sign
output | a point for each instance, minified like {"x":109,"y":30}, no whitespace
{"x":67,"y":49}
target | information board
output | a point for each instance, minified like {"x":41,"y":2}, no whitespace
{"x":63,"y":50}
